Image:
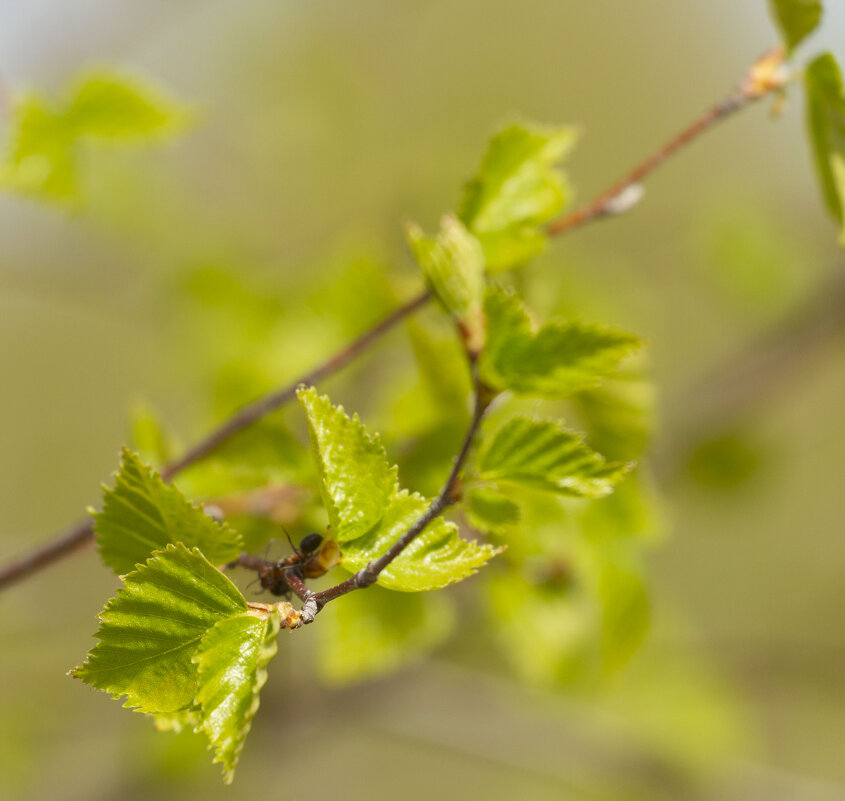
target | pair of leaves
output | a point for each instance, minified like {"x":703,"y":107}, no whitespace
{"x":179,"y":642}
{"x":498,"y":226}
{"x":42,"y":152}
{"x":555,"y":360}
{"x":368,"y":511}
{"x":826,"y":120}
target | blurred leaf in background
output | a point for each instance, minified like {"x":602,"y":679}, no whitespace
{"x":826,"y":116}
{"x":46,"y":139}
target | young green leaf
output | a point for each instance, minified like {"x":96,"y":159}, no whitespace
{"x":796,"y":19}
{"x":150,"y":631}
{"x":436,"y":558}
{"x":516,"y":191}
{"x":358,"y":482}
{"x":142,"y":514}
{"x":826,"y":120}
{"x":489,"y":511}
{"x":368,"y":512}
{"x":42,"y":150}
{"x":376,"y":632}
{"x":232,"y":662}
{"x":556,"y":360}
{"x":453,"y":266}
{"x":544,"y":455}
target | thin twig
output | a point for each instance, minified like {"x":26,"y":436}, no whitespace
{"x":82,"y":533}
{"x":761,"y":80}
{"x":764,"y":77}
{"x":448,"y":496}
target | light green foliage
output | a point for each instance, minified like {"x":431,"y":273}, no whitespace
{"x":375,"y":632}
{"x":516,"y":191}
{"x":453,"y":266}
{"x":826,"y":120}
{"x":543,"y":628}
{"x":232,"y":663}
{"x":151,"y":630}
{"x":796,"y":19}
{"x":42,"y":151}
{"x":436,"y":558}
{"x":545,"y":455}
{"x":368,"y":511}
{"x":142,"y":514}
{"x":555,"y":360}
{"x":489,"y":511}
{"x":357,"y":481}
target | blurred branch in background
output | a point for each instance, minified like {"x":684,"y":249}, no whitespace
{"x":766,"y":76}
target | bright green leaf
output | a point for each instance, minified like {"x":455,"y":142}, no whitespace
{"x":368,"y":512}
{"x":150,"y":631}
{"x":358,"y":482}
{"x":142,"y":514}
{"x":796,"y":19}
{"x":41,"y":154}
{"x":516,"y":191}
{"x":372,"y":633}
{"x":556,"y":360}
{"x":232,"y":663}
{"x":436,"y":558}
{"x":453,"y":266}
{"x":545,"y":455}
{"x":826,"y":119}
{"x":489,"y":511}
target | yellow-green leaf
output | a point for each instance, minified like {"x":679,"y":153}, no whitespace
{"x":517,"y":190}
{"x":826,"y":121}
{"x":453,"y":266}
{"x":796,"y":19}
{"x":142,"y":514}
{"x":545,"y":455}
{"x":554,"y":360}
{"x":44,"y":137}
{"x":150,"y":631}
{"x":232,"y":662}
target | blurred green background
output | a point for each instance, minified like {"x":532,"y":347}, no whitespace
{"x":201,"y":273}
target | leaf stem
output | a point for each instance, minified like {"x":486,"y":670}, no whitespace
{"x":757,"y":83}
